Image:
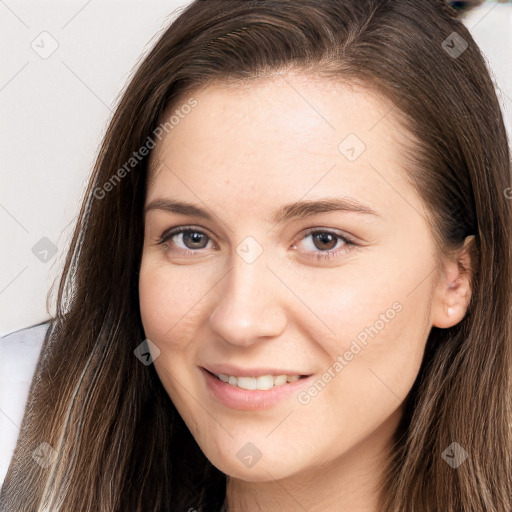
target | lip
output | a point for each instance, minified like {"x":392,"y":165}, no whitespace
{"x":250,"y":400}
{"x":227,"y":369}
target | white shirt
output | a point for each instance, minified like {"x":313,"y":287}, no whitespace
{"x":19,"y":353}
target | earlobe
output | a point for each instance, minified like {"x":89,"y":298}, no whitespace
{"x":453,"y":290}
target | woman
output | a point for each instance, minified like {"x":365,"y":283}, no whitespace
{"x":289,"y":285}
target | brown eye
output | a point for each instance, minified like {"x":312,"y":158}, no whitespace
{"x":325,"y":240}
{"x":322,"y":244}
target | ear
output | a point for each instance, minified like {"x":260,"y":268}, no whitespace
{"x":453,"y":290}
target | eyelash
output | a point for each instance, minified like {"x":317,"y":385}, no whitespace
{"x":321,"y":255}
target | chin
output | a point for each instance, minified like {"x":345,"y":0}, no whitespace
{"x":235,"y":461}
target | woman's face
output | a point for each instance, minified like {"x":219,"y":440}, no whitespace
{"x":308,"y":254}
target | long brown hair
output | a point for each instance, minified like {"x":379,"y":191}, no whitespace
{"x":119,"y":443}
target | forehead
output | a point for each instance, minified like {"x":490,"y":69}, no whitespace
{"x":288,"y":132}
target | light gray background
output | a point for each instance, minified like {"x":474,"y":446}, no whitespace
{"x":55,"y":109}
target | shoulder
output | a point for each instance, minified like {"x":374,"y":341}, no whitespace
{"x":21,"y":349}
{"x":19,"y":353}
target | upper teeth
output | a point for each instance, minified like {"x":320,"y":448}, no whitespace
{"x":262,"y":383}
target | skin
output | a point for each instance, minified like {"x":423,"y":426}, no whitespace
{"x":241,"y":153}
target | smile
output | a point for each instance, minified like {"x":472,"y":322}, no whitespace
{"x":262,"y":383}
{"x":252,"y":393}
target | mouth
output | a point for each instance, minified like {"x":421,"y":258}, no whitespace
{"x":260,"y":382}
{"x":250,"y":393}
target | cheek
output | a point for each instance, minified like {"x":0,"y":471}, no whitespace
{"x":374,"y":325}
{"x":168,"y":305}
{"x":170,"y":321}
{"x":373,"y":295}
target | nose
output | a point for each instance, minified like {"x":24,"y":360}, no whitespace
{"x":250,"y":305}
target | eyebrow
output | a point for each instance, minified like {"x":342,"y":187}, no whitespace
{"x":295,"y":210}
